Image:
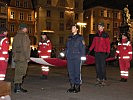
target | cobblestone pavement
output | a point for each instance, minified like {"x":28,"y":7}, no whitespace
{"x":55,"y":87}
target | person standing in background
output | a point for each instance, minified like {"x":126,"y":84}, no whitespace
{"x":21,"y":56}
{"x":4,"y":46}
{"x":75,"y":54}
{"x":44,"y":51}
{"x":101,"y":46}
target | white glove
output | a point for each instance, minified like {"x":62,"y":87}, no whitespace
{"x":62,"y":54}
{"x":83,"y":58}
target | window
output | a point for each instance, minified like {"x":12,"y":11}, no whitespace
{"x":94,"y":26}
{"x":62,"y":3}
{"x":102,"y":13}
{"x":108,"y":14}
{"x":49,"y":2}
{"x":61,"y":40}
{"x":21,"y":16}
{"x":115,"y":25}
{"x":76,"y":4}
{"x":115,"y":14}
{"x":94,"y":13}
{"x":108,"y":26}
{"x":17,"y":3}
{"x":76,"y":16}
{"x":12,"y":15}
{"x":12,"y":27}
{"x":61,"y":26}
{"x":29,"y":30}
{"x":48,"y":13}
{"x":48,"y":25}
{"x":25,"y":4}
{"x":2,"y":23}
{"x":29,"y":17}
{"x":3,"y":9}
{"x":61,"y":14}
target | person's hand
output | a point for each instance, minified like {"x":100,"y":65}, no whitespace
{"x":83,"y":58}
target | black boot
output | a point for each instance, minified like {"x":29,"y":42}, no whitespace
{"x":122,"y":80}
{"x":77,"y":88}
{"x":17,"y":88}
{"x":22,"y":89}
{"x":71,"y":89}
{"x":44,"y":77}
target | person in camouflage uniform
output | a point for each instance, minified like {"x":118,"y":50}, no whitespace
{"x":21,"y":56}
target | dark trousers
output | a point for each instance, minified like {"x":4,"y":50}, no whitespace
{"x":74,"y":70}
{"x":100,"y":65}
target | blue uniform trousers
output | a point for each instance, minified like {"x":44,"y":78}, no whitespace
{"x":74,"y":70}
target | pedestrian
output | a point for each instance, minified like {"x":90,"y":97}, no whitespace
{"x":75,"y":54}
{"x":4,"y":46}
{"x":101,"y":46}
{"x":45,"y":48}
{"x":21,"y":56}
{"x":124,"y":53}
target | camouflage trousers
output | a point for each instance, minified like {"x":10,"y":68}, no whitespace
{"x":20,"y":71}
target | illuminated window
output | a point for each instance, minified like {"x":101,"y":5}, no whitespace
{"x":12,"y":15}
{"x":21,"y":16}
{"x":29,"y":17}
{"x":61,"y":26}
{"x":12,"y":27}
{"x":61,"y":14}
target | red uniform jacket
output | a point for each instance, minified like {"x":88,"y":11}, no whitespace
{"x":45,"y":49}
{"x":101,"y":43}
{"x":4,"y":46}
{"x":124,"y":51}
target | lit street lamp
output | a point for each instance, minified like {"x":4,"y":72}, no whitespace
{"x":81,"y":25}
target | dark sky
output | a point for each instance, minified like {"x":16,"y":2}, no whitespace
{"x":118,"y":4}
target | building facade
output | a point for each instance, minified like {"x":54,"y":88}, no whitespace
{"x":112,"y":19}
{"x":21,"y":11}
{"x":3,"y":13}
{"x":56,"y":18}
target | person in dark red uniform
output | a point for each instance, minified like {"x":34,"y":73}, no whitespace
{"x":101,"y":46}
{"x":4,"y":46}
{"x":44,"y":51}
{"x":124,"y":53}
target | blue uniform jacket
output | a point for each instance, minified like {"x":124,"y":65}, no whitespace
{"x":75,"y":47}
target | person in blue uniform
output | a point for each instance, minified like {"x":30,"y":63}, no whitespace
{"x":75,"y":54}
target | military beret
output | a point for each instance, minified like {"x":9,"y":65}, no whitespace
{"x":22,"y":25}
